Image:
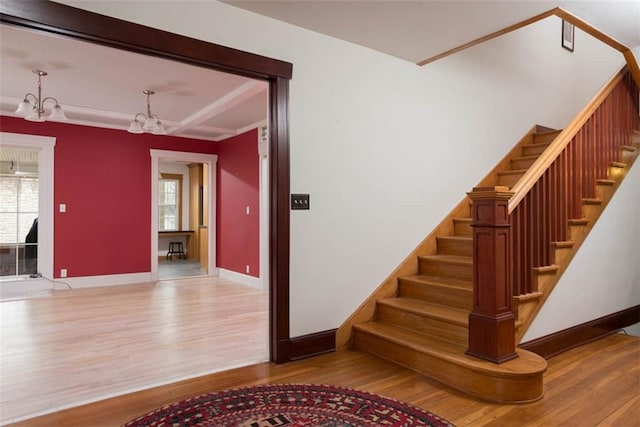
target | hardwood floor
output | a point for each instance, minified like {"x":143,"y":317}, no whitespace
{"x":83,"y":345}
{"x":594,"y":385}
{"x":141,"y":342}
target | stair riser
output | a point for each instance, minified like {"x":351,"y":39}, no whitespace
{"x":453,"y":297}
{"x":560,"y":256}
{"x":604,"y":192}
{"x":442,"y":269}
{"x":615,"y":172}
{"x":577,"y":232}
{"x":590,"y":211}
{"x":455,"y":247}
{"x":533,"y":150}
{"x":509,"y":180}
{"x":626,"y":156}
{"x":435,"y":327}
{"x":462,"y":229}
{"x":503,"y":389}
{"x":545,"y":138}
{"x":522,"y":164}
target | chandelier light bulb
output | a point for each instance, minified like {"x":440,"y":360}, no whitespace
{"x":57,"y":113}
{"x":24,"y":108}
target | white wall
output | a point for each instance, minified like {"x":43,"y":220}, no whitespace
{"x":590,"y":287}
{"x":384,"y":147}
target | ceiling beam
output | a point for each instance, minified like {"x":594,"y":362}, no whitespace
{"x":228,"y":101}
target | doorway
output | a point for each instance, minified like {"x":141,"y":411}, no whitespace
{"x":195,"y":227}
{"x":83,"y":25}
{"x":182,"y":229}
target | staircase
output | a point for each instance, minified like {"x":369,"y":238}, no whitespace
{"x":425,"y":327}
{"x":560,"y":182}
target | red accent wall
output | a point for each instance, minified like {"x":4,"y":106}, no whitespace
{"x":238,"y":181}
{"x":104,"y":178}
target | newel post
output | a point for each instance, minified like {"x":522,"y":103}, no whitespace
{"x":491,"y":323}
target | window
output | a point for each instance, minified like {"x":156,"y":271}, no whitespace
{"x":169,"y":202}
{"x":18,"y":213}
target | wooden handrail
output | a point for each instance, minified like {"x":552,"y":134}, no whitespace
{"x":488,"y":37}
{"x":533,"y":174}
{"x":590,"y":29}
{"x":630,"y":59}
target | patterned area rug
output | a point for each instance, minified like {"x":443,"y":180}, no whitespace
{"x":292,"y":405}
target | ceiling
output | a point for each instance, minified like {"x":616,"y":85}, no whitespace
{"x":200,"y":103}
{"x":418,"y":30}
{"x":191,"y":102}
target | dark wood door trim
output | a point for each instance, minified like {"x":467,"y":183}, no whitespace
{"x":88,"y":26}
{"x":92,"y":27}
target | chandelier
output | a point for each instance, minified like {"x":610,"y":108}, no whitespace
{"x":35,"y":113}
{"x":147,"y":122}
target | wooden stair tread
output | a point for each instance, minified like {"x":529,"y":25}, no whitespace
{"x":528,"y":297}
{"x":458,"y":238}
{"x":529,"y":157}
{"x":439,"y":281}
{"x":578,"y":221}
{"x":618,"y":164}
{"x":549,"y":132}
{"x":607,"y":182}
{"x":512,"y":172}
{"x":449,"y":314}
{"x":537,"y":144}
{"x":563,"y":244}
{"x":526,"y":364}
{"x":547,"y":137}
{"x":629,"y":148}
{"x":591,"y":201}
{"x":547,"y":268}
{"x":462,"y":219}
{"x":448,"y":259}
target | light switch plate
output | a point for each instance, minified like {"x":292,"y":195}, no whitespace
{"x":299,"y":202}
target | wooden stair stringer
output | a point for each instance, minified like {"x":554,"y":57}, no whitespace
{"x":548,"y":277}
{"x":409,"y":266}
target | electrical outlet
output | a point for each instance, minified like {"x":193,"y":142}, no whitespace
{"x":63,"y":272}
{"x":246,"y":269}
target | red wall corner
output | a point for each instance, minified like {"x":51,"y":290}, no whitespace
{"x":238,"y":181}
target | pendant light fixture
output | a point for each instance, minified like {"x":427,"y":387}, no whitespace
{"x":147,"y":122}
{"x":35,"y":113}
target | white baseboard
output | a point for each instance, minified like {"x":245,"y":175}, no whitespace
{"x":107,"y":280}
{"x":25,"y":288}
{"x":254,"y":282}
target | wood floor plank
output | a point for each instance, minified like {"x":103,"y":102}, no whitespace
{"x":83,"y":345}
{"x":596,"y":384}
